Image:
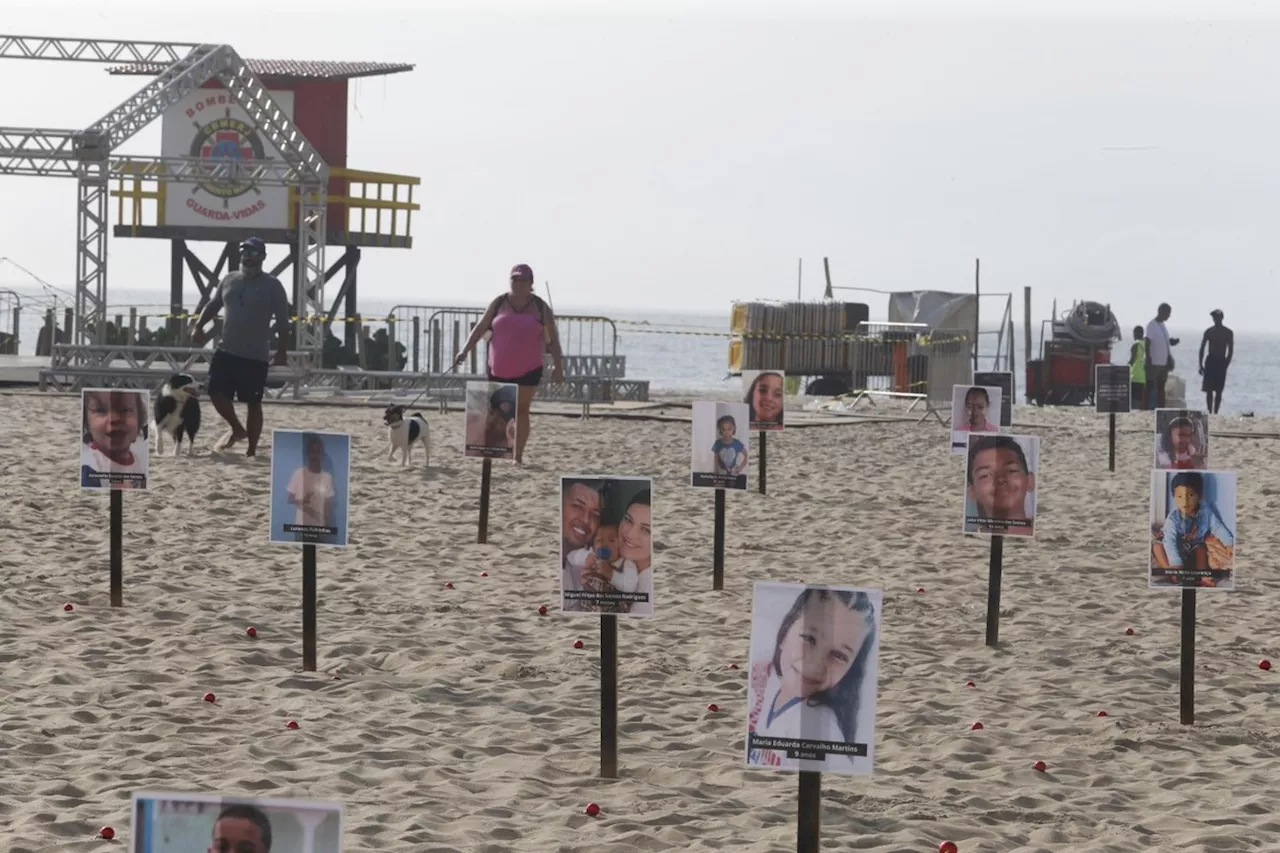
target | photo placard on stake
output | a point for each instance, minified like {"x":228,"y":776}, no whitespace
{"x":721,"y":445}
{"x":177,"y":823}
{"x":1193,"y":530}
{"x":814,"y":660}
{"x":764,"y":392}
{"x":1112,"y":391}
{"x":972,"y":409}
{"x":606,"y":545}
{"x":1002,"y":379}
{"x":310,"y":487}
{"x":491,"y":420}
{"x":1182,"y":440}
{"x":1000,"y":485}
{"x":113,"y":439}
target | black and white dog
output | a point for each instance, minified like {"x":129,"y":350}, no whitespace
{"x":177,"y":412}
{"x":403,"y":433}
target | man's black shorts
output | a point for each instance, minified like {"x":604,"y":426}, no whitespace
{"x":233,"y":375}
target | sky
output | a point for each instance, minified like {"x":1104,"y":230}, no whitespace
{"x":681,"y":156}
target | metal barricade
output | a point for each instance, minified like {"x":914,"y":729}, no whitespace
{"x":10,"y":322}
{"x":909,"y":361}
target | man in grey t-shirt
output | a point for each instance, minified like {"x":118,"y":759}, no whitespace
{"x":242,"y":359}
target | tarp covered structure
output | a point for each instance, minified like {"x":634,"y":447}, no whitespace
{"x":937,"y":309}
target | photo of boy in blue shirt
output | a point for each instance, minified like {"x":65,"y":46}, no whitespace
{"x":1193,"y":544}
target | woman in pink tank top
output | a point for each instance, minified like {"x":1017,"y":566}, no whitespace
{"x":521,"y":325}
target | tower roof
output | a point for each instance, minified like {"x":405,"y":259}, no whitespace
{"x":287,"y":69}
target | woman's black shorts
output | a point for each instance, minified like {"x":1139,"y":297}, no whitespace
{"x":528,"y":380}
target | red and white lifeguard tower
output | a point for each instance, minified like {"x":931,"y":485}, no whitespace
{"x":249,"y":148}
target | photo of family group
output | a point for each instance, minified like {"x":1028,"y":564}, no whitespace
{"x":721,"y":445}
{"x":1182,"y":440}
{"x":1000,"y":485}
{"x":491,"y":420}
{"x":113,"y":439}
{"x":1193,"y":526}
{"x":183,"y":823}
{"x":765,"y":398}
{"x":1112,"y":391}
{"x":310,"y":487}
{"x":606,"y":545}
{"x":972,"y":410}
{"x":813,"y":664}
{"x":1002,"y":379}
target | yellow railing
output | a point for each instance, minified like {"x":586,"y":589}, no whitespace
{"x":378,"y":199}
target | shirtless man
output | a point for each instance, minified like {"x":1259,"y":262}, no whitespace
{"x":1221,"y":343}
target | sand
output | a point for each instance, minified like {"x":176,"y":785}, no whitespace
{"x":460,"y":720}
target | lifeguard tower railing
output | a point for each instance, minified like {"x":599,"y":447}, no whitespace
{"x":908,"y":361}
{"x":10,"y":322}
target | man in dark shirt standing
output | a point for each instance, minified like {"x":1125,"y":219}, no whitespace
{"x":1221,"y":343}
{"x":242,"y":359}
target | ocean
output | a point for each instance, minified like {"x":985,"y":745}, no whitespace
{"x":688,"y":353}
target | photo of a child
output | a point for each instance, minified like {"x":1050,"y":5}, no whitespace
{"x":491,"y":420}
{"x":1193,"y":524}
{"x":1000,"y":485}
{"x":811,"y":699}
{"x":181,"y":823}
{"x":1182,"y":440}
{"x":606,"y":545}
{"x":721,"y":441}
{"x":310,"y":482}
{"x":113,"y":439}
{"x":1002,"y":379}
{"x":972,"y":407}
{"x":765,"y":398}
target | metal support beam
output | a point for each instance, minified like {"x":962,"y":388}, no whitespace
{"x":91,"y":50}
{"x":91,"y":262}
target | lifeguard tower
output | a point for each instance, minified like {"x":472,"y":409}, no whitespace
{"x":249,"y":147}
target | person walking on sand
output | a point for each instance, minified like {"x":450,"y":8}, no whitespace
{"x":1138,"y":369}
{"x":1159,"y":356}
{"x":521,"y":325}
{"x":1221,"y":343}
{"x":243,"y":358}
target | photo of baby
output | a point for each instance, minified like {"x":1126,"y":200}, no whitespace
{"x":972,"y":407}
{"x":310,"y":484}
{"x":721,"y":442}
{"x":811,"y":695}
{"x":113,"y":439}
{"x":183,"y":823}
{"x":1112,"y":390}
{"x":1193,"y":524}
{"x":1000,"y":485}
{"x":606,"y":545}
{"x":1182,"y":440}
{"x":765,"y":396}
{"x":491,"y":420}
{"x":1002,"y":379}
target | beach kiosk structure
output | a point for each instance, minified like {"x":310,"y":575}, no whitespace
{"x":249,"y":147}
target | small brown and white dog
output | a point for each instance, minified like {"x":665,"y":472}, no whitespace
{"x":403,"y":433}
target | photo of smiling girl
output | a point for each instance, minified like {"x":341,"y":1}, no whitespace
{"x":765,"y":398}
{"x":612,"y":571}
{"x":813,"y":665}
{"x":113,"y":439}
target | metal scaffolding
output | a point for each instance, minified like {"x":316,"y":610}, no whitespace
{"x":87,"y":156}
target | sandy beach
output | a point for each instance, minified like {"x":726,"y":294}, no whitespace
{"x":461,"y":720}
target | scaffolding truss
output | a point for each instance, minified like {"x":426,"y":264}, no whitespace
{"x":87,"y":156}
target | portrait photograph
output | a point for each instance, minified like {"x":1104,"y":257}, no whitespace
{"x":1112,"y":390}
{"x":1002,"y":379}
{"x":974,"y":409}
{"x":606,"y":545}
{"x":310,"y":487}
{"x":491,"y":420}
{"x":813,"y":664}
{"x":765,"y":394}
{"x":721,"y":445}
{"x":1000,"y":484}
{"x":1193,"y":530}
{"x":196,"y":823}
{"x":1182,"y":440}
{"x":114,"y":438}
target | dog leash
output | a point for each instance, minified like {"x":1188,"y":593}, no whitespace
{"x":409,"y":405}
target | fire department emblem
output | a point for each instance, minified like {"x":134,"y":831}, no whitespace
{"x":227,"y":138}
